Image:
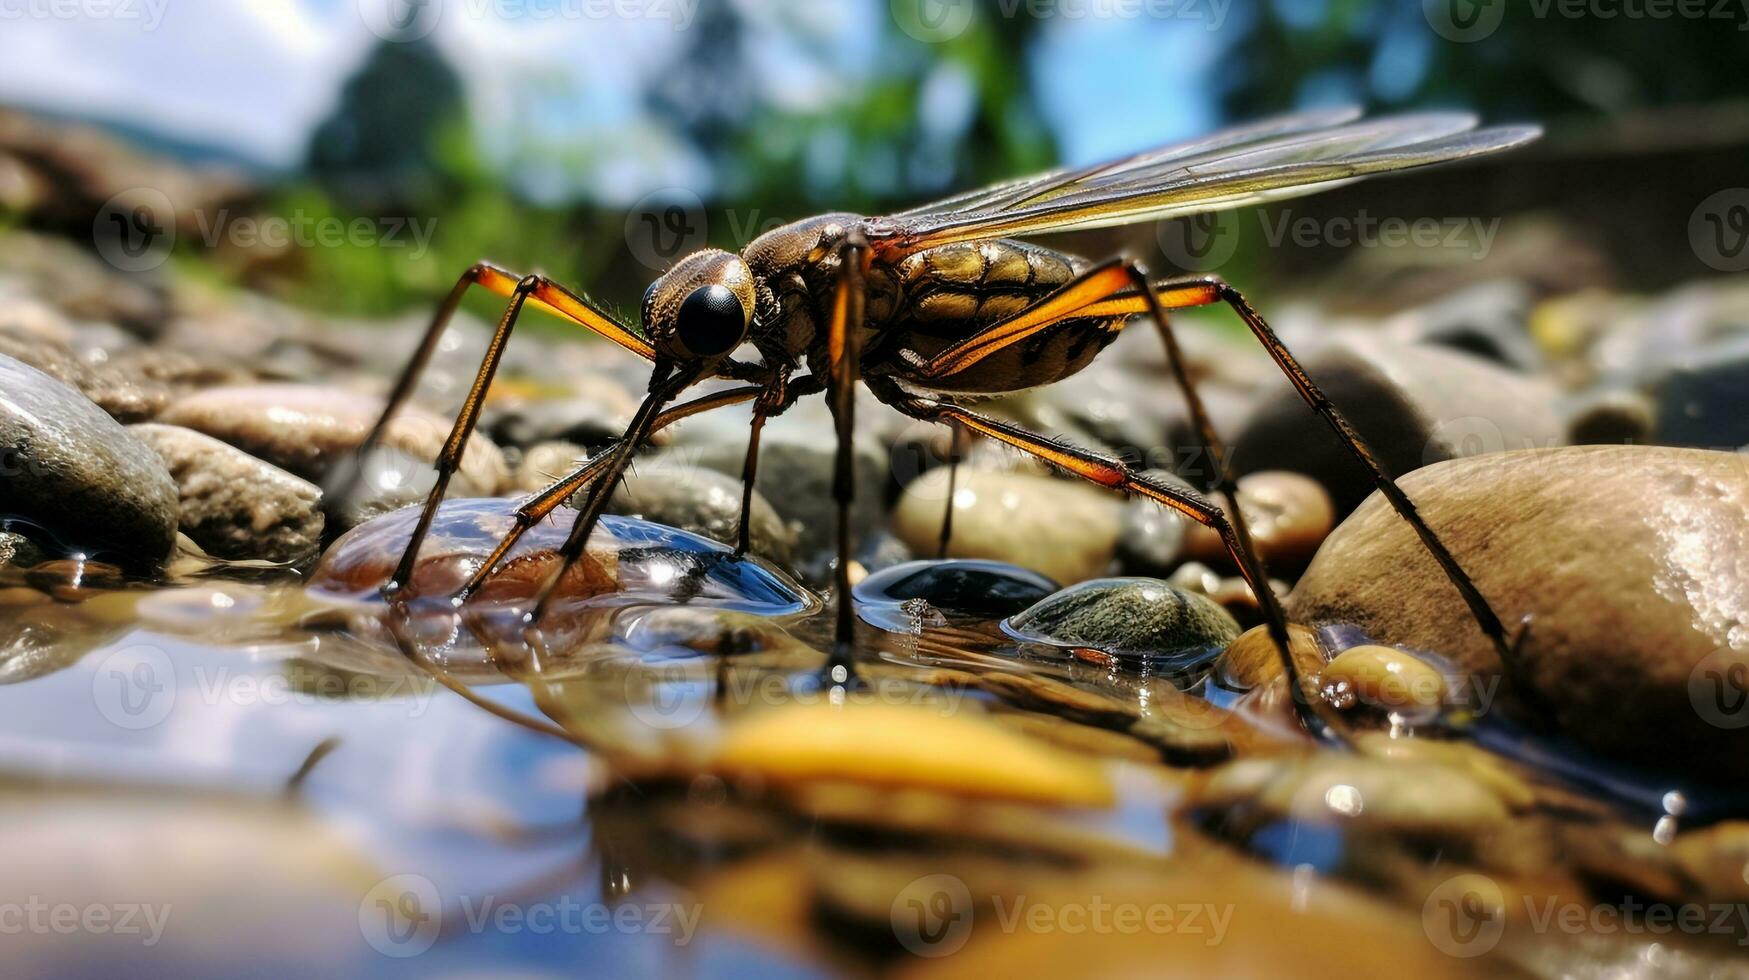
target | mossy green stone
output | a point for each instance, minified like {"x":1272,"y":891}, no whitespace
{"x":1134,"y":616}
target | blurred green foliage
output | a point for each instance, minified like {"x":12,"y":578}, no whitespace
{"x":1559,"y":61}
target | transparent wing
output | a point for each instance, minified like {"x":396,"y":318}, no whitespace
{"x":1042,"y":186}
{"x":1285,"y":157}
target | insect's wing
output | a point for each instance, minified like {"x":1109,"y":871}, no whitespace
{"x":1042,"y":186}
{"x":1219,"y":173}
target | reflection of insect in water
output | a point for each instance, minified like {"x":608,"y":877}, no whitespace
{"x":941,"y":302}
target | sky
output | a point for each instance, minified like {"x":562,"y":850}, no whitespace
{"x":255,"y":76}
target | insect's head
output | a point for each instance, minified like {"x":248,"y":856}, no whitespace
{"x":702,"y":308}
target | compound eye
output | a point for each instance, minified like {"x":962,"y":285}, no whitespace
{"x":711,"y":322}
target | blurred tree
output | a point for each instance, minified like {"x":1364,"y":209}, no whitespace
{"x":926,"y":118}
{"x":378,"y":149}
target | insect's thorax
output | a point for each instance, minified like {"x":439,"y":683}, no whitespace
{"x":933,"y":296}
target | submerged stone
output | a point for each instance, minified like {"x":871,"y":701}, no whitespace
{"x":1141,"y":618}
{"x":967,"y":587}
{"x":905,"y":746}
{"x":628,"y":561}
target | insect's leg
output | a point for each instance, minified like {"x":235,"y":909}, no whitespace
{"x":1204,"y":291}
{"x":843,"y":339}
{"x":542,"y":294}
{"x":536,"y":508}
{"x":1096,"y":284}
{"x":774,"y":400}
{"x":956,"y":448}
{"x":1110,"y":472}
{"x":749,"y":474}
{"x":450,"y":457}
{"x":667,"y":382}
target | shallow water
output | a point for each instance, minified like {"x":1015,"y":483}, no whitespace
{"x":302,"y":781}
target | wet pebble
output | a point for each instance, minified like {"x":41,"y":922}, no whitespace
{"x":1252,"y":659}
{"x":1153,"y":537}
{"x":965,"y":587}
{"x":306,"y":429}
{"x":1288,"y":515}
{"x":1626,"y":559}
{"x":1133,"y":617}
{"x":1384,"y":678}
{"x":627,"y":558}
{"x":1610,"y":417}
{"x":597,"y":412}
{"x":1700,"y":400}
{"x":1230,"y":591}
{"x":666,"y":490}
{"x":1486,"y":320}
{"x":1413,"y":404}
{"x":812,"y":742}
{"x":1390,"y":795}
{"x":234,"y":505}
{"x":1063,"y":530}
{"x":75,"y":472}
{"x":123,"y":394}
{"x":543,"y":463}
{"x":795,"y":477}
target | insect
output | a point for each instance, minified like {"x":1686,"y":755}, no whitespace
{"x":934,"y":306}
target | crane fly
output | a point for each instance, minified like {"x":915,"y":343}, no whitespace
{"x":933,"y":306}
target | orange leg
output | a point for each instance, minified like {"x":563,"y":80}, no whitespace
{"x":843,"y":342}
{"x":1121,"y":288}
{"x":1114,"y":474}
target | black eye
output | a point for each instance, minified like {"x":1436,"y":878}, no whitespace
{"x":711,"y":321}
